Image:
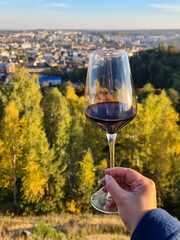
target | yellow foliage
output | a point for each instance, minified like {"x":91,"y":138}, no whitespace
{"x":71,"y":95}
{"x":87,"y":170}
{"x":11,"y":145}
{"x":71,"y":207}
{"x":157,"y":139}
{"x":33,"y":183}
{"x":76,"y":102}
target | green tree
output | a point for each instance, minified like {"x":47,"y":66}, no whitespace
{"x":156,"y":66}
{"x":86,"y":175}
{"x":76,"y":145}
{"x":176,"y":81}
{"x":25,"y":59}
{"x":75,"y":151}
{"x":154,"y":72}
{"x":174,"y":96}
{"x":173,"y":49}
{"x":153,"y":142}
{"x":151,"y":145}
{"x":11,"y":150}
{"x":145,"y":91}
{"x":142,"y":73}
{"x":56,"y":119}
{"x":25,"y":92}
{"x":57,"y":122}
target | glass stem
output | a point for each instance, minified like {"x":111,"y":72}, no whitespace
{"x":111,"y":140}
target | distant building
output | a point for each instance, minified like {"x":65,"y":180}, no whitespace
{"x":75,"y":54}
{"x":49,"y":80}
{"x":31,"y":64}
{"x":4,"y":54}
{"x":7,"y":68}
{"x":25,"y":45}
{"x":41,"y":63}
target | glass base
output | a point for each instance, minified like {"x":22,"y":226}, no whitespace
{"x":99,"y":199}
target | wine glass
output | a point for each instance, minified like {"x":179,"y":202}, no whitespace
{"x":110,"y":103}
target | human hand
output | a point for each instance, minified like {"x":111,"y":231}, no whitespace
{"x":132,"y":193}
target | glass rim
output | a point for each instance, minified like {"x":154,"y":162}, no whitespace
{"x":109,"y":52}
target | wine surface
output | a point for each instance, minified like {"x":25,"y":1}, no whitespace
{"x":110,"y":116}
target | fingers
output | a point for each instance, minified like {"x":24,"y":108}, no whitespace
{"x":102,"y":181}
{"x":113,"y":188}
{"x":103,"y":189}
{"x":111,"y":206}
{"x":120,"y":181}
{"x":128,"y":175}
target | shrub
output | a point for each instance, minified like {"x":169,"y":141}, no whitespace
{"x":45,"y":231}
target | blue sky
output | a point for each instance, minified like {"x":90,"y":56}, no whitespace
{"x":89,"y":14}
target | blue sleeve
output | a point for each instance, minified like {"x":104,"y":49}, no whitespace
{"x":157,"y":225}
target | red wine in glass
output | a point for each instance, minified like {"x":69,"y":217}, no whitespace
{"x":110,"y":116}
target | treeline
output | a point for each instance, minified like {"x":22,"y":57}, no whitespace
{"x":160,"y":67}
{"x":75,"y":75}
{"x":51,"y":157}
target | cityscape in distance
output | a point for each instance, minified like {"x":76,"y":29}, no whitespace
{"x":65,"y":50}
{"x":51,"y":156}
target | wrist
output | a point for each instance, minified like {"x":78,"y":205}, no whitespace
{"x":140,"y":216}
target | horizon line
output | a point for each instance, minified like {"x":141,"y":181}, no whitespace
{"x":84,"y":29}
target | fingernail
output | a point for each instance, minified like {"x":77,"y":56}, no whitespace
{"x":99,"y":181}
{"x":104,"y":170}
{"x":107,"y":177}
{"x":103,"y":189}
{"x":106,"y":207}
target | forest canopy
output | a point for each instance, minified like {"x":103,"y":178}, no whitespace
{"x":160,"y":67}
{"x":51,"y":157}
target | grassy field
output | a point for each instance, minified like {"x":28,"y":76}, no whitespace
{"x":62,"y":227}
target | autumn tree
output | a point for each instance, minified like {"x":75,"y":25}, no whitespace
{"x":57,"y":122}
{"x":86,"y":180}
{"x":25,"y":59}
{"x":25,"y":92}
{"x":163,"y":139}
{"x":58,"y":155}
{"x":174,"y":96}
{"x":11,"y":149}
{"x":76,"y":145}
{"x":151,"y":143}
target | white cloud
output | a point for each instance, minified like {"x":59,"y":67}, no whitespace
{"x":62,"y":5}
{"x":170,"y":7}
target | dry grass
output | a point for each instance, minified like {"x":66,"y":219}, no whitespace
{"x":90,"y":227}
{"x":107,"y":237}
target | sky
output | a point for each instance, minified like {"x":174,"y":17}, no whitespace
{"x":90,"y":14}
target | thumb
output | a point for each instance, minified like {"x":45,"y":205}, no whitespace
{"x":113,"y":188}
